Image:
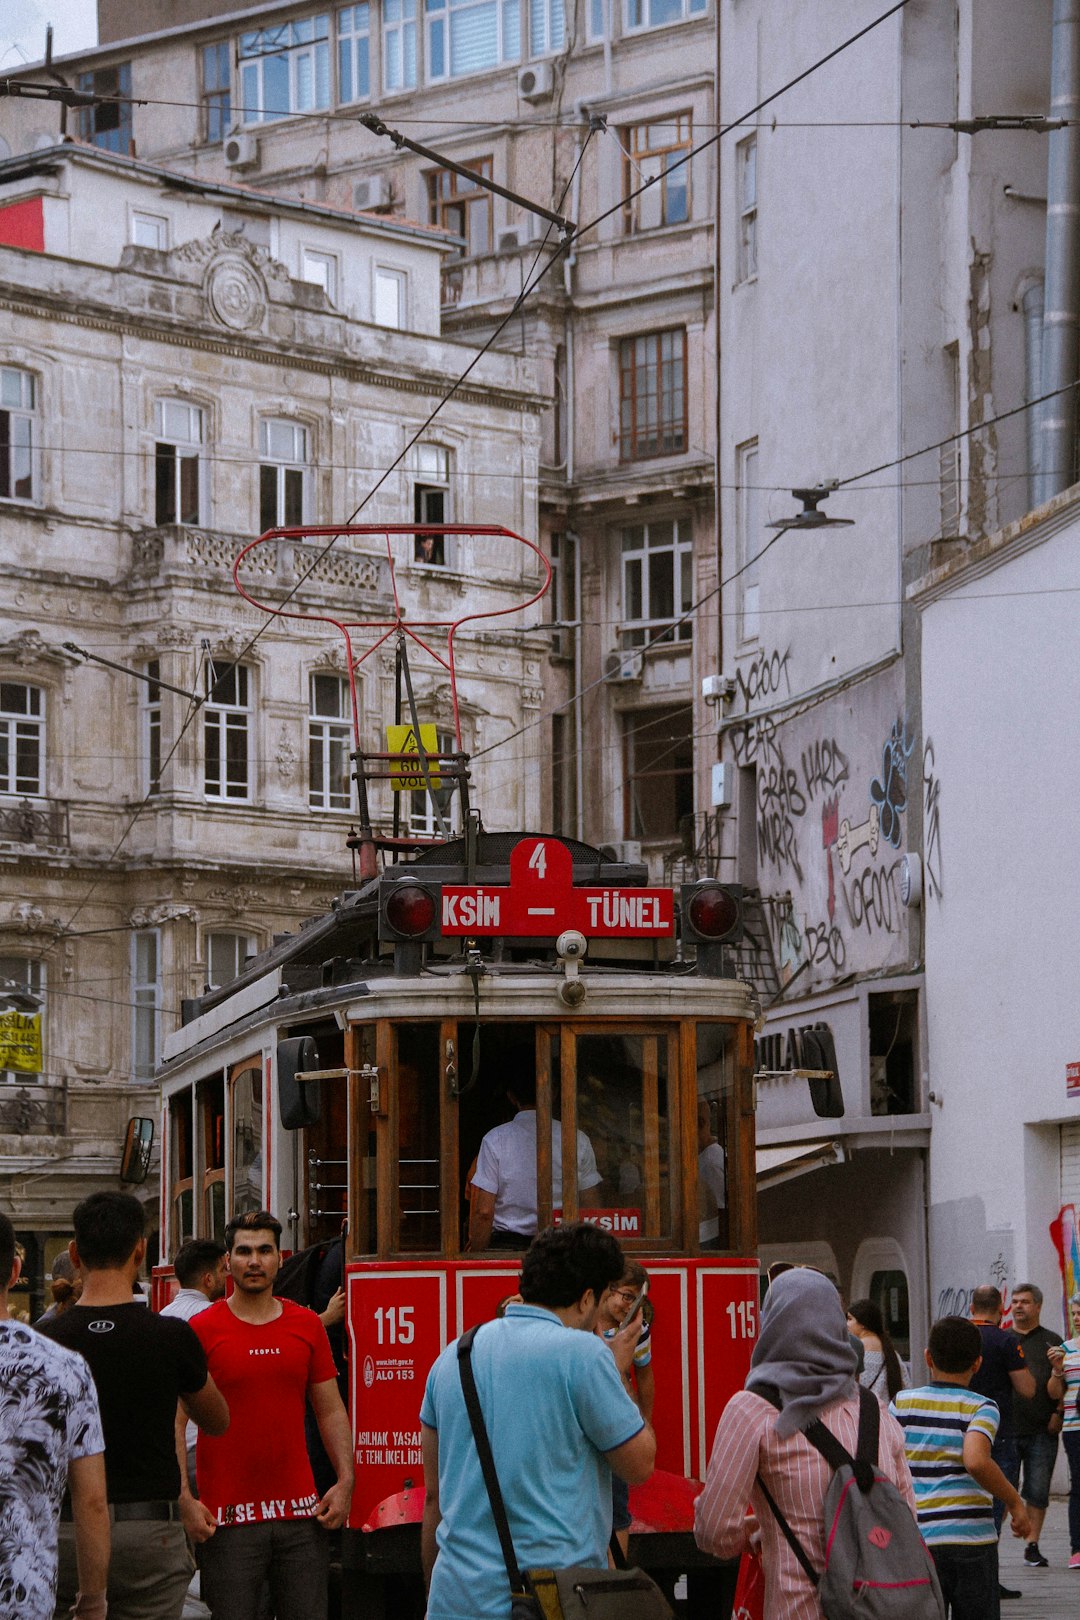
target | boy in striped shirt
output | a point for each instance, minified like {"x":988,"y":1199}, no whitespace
{"x":948,"y":1432}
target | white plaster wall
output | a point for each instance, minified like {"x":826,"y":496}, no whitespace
{"x":1001,"y":693}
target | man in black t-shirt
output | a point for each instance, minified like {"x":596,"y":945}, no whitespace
{"x":1037,"y":1422}
{"x":1002,"y":1373}
{"x":142,"y":1365}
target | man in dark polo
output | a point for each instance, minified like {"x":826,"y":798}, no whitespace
{"x":142,"y":1365}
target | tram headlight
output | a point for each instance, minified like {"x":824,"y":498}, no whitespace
{"x":712,"y":913}
{"x":410,"y":910}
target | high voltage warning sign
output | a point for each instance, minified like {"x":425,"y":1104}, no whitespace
{"x":20,"y":1042}
{"x":406,"y":778}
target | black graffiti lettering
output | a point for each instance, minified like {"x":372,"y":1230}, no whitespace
{"x":778,"y":784}
{"x":825,"y":943}
{"x":763,"y":677}
{"x":824,"y":766}
{"x":776,"y":841}
{"x":932,"y":821}
{"x":953,"y":1302}
{"x":872,"y":900}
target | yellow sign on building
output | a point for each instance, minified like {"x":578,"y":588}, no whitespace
{"x":404,"y":778}
{"x":20,"y":1042}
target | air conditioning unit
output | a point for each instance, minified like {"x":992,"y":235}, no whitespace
{"x":623,"y":666}
{"x":373,"y":194}
{"x":512,"y":238}
{"x":241,"y":152}
{"x":626,"y":850}
{"x":536,"y":81}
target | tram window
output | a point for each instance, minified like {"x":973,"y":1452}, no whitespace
{"x":181,"y":1168}
{"x":889,"y":1291}
{"x":622,"y":1108}
{"x":418,"y":1139}
{"x":247,"y":1113}
{"x":715,"y":1083}
{"x":212,"y":1113}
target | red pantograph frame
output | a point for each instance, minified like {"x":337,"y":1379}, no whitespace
{"x":398,"y":623}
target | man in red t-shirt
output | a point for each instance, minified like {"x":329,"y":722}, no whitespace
{"x":266,"y":1521}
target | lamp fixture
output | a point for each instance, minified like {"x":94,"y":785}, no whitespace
{"x":810,"y":517}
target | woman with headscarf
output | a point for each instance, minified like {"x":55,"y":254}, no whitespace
{"x":804,"y":1354}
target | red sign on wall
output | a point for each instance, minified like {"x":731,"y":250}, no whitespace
{"x":541,"y":900}
{"x":1072,"y":1079}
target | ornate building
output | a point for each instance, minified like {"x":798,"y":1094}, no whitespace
{"x":168,"y":391}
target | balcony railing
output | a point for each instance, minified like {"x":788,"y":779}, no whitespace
{"x":277,"y":566}
{"x":41,"y":822}
{"x":32,"y":1110}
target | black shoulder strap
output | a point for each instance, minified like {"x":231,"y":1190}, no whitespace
{"x":788,"y":1533}
{"x":487,"y":1461}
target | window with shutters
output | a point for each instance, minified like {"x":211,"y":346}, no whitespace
{"x":146,"y":1002}
{"x":652,"y":395}
{"x":178,"y":462}
{"x":399,"y":44}
{"x":283,"y":474}
{"x":547,"y":27}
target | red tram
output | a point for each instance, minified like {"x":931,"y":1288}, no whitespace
{"x":351,"y":1071}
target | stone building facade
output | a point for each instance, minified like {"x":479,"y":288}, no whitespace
{"x":575,"y":104}
{"x":170,"y":391}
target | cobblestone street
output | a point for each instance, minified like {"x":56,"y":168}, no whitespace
{"x":1048,"y":1594}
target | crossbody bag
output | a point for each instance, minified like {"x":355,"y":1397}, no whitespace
{"x":577,"y":1593}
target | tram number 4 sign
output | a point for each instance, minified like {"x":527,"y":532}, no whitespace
{"x":541,"y":900}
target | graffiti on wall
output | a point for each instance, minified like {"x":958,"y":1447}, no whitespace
{"x":953,"y":1300}
{"x":889,"y":791}
{"x":1065,"y":1235}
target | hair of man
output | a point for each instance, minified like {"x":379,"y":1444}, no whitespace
{"x":7,"y":1251}
{"x":986,"y":1300}
{"x":955,"y":1344}
{"x":564,"y":1262}
{"x":1034,"y":1290}
{"x":523,"y":1089}
{"x":195,"y":1258}
{"x":253,"y":1220}
{"x":107,"y":1227}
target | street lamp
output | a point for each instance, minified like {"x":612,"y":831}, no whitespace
{"x":811,"y":517}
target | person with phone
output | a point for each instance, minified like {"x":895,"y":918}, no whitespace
{"x":619,"y":1310}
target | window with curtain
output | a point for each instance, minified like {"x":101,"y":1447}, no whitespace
{"x":354,"y":43}
{"x":399,"y":44}
{"x":285,"y":69}
{"x":469,"y":36}
{"x":547,"y":27}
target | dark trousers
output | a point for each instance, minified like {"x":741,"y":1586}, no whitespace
{"x":1004,"y":1452}
{"x":1071,"y":1443}
{"x":291,"y":1556}
{"x":969,"y":1580}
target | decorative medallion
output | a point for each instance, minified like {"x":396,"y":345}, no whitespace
{"x":236,"y":294}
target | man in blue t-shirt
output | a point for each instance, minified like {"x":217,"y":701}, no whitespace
{"x":559,"y":1420}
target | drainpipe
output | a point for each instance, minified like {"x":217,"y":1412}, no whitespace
{"x":571,"y":424}
{"x":1061,"y":325}
{"x":1032,"y":305}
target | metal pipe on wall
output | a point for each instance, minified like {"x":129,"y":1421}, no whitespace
{"x":1061,"y":317}
{"x":1032,"y":305}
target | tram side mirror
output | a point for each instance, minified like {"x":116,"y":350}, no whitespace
{"x":817,"y":1050}
{"x":298,"y":1100}
{"x":138,"y":1142}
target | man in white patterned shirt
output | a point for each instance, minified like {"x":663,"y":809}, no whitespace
{"x":50,"y":1436}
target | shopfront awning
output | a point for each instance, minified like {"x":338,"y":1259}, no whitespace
{"x":790,"y":1159}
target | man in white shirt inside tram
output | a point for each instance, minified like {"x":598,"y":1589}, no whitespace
{"x":712,"y":1176}
{"x":502,"y":1213}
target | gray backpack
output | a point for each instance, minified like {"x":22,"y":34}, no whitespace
{"x":877,"y":1566}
